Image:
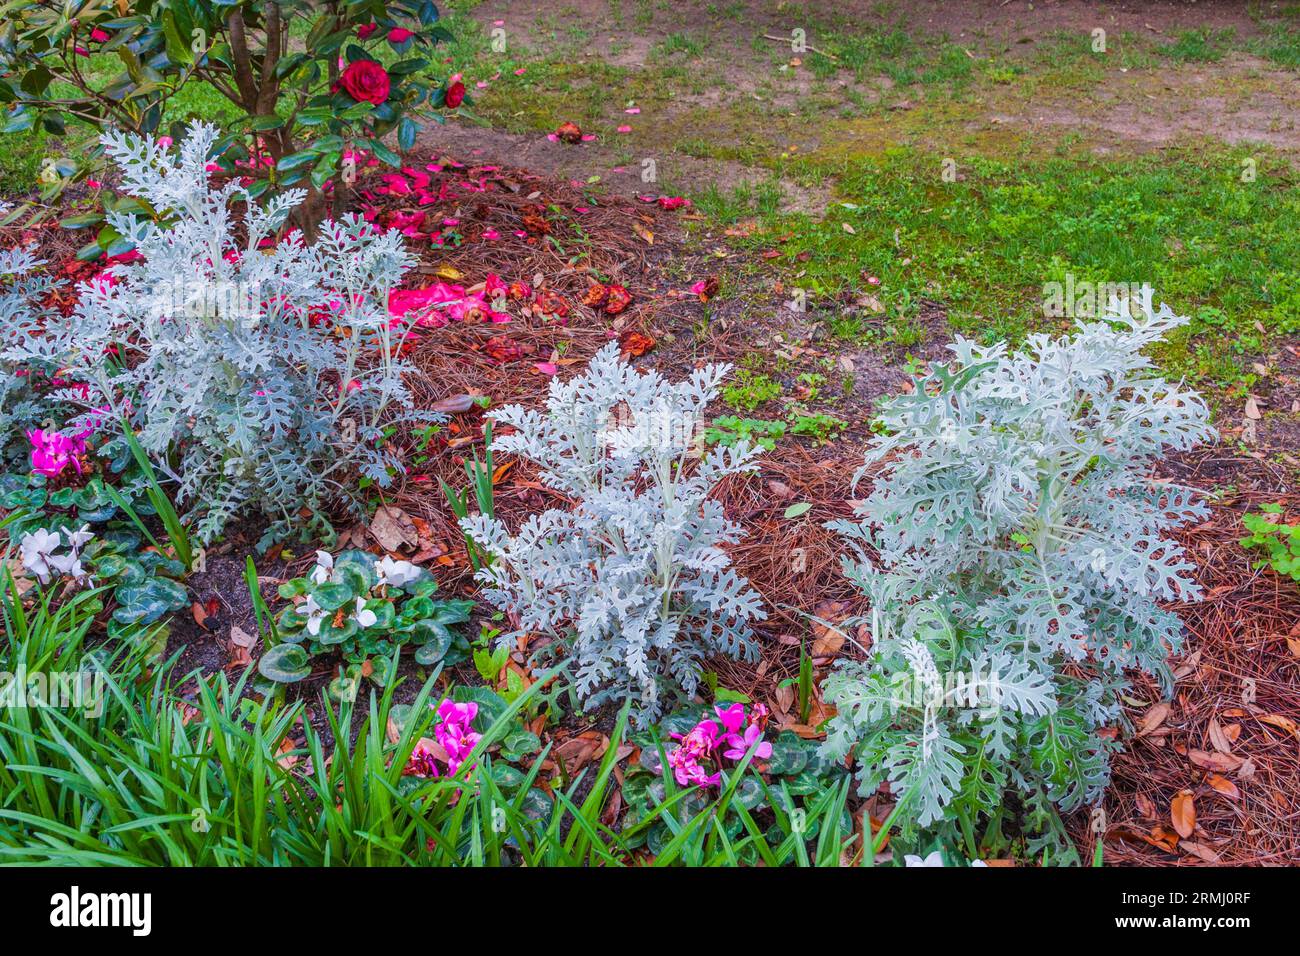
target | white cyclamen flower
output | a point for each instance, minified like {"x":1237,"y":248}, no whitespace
{"x":70,"y":565}
{"x":363,"y":615}
{"x":324,"y":566}
{"x":396,"y":573}
{"x":934,"y":859}
{"x":36,"y":549}
{"x":76,"y":539}
{"x":314,"y":614}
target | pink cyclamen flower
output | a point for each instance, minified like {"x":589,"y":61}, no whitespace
{"x":423,"y":762}
{"x":740,"y":745}
{"x":454,"y":733}
{"x":450,"y":711}
{"x":52,"y":452}
{"x":732,"y":718}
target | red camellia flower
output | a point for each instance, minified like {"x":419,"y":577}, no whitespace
{"x":366,"y":82}
{"x":617,"y":300}
{"x":399,"y":34}
{"x":455,"y":94}
{"x":367,"y":31}
{"x":550,"y":303}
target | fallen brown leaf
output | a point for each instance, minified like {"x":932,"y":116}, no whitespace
{"x":1183,"y":812}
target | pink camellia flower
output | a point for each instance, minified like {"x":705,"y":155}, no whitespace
{"x":52,"y":452}
{"x":398,"y":185}
{"x":673,"y":202}
{"x":366,"y":82}
{"x":495,"y":288}
{"x":399,"y":35}
{"x":98,"y":35}
{"x":408,"y":222}
{"x":367,"y":31}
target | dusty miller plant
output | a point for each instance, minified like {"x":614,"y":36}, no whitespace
{"x":1012,"y":548}
{"x":256,"y":373}
{"x":27,"y":398}
{"x":633,"y":579}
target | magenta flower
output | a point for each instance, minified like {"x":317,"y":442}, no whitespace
{"x":705,"y":742}
{"x":53,"y":451}
{"x":740,"y":745}
{"x":399,"y":35}
{"x":453,"y":741}
{"x":423,"y":762}
{"x":733,"y":717}
{"x":494,"y":288}
{"x":451,"y":712}
{"x":454,"y":733}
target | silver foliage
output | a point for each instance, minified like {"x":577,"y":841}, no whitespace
{"x":1012,"y":527}
{"x":27,"y":397}
{"x":633,"y":579}
{"x":254,"y":373}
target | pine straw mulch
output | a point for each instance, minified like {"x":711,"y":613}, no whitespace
{"x":1230,"y":739}
{"x":1230,"y":734}
{"x":793,"y":563}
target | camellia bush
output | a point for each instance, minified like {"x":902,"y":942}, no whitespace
{"x":633,"y":580}
{"x":1012,"y":548}
{"x":312,"y":80}
{"x":254,"y":373}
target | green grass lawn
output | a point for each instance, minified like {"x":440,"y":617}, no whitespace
{"x":1024,"y":209}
